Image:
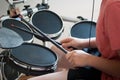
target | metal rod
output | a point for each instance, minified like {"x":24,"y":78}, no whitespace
{"x":70,"y":19}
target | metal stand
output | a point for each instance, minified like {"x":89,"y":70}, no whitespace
{"x":9,"y":73}
{"x":2,"y":74}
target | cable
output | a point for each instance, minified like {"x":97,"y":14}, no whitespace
{"x":92,"y":16}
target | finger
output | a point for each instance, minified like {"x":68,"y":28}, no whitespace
{"x":70,"y":49}
{"x":68,"y":55}
{"x":67,"y":46}
{"x":65,"y":40}
{"x":17,"y":11}
{"x":70,"y":58}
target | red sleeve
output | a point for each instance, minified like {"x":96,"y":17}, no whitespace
{"x":112,"y":22}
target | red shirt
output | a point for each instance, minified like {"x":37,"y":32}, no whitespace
{"x":108,"y":32}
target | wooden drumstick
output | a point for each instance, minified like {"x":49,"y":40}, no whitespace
{"x":46,"y":37}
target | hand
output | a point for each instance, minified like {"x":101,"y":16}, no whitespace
{"x":78,"y":58}
{"x":68,"y":43}
{"x":14,"y":12}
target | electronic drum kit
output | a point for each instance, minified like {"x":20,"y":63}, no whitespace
{"x":21,"y":55}
{"x":24,"y":56}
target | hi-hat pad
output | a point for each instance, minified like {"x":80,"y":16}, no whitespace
{"x":9,"y":38}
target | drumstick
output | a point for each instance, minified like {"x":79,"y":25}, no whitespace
{"x":38,"y":35}
{"x":44,"y":35}
{"x":22,"y":29}
{"x":57,"y":44}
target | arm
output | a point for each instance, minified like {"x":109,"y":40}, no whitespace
{"x":90,"y":42}
{"x":78,"y":43}
{"x":111,"y":67}
{"x":79,"y":58}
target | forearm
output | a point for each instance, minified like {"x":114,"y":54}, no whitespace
{"x":90,"y":42}
{"x":111,"y":67}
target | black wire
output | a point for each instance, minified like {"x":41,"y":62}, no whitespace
{"x":91,"y":23}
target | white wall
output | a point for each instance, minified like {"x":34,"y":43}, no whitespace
{"x":70,"y":8}
{"x":73,"y":8}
